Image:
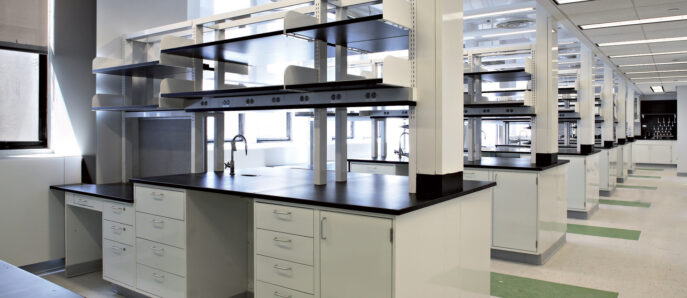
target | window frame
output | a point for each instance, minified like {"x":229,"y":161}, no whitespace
{"x":288,"y":133}
{"x":42,"y":142}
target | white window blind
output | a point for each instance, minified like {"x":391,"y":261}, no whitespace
{"x":24,"y":22}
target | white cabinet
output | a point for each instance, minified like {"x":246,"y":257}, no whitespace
{"x":355,"y":256}
{"x":515,"y":211}
{"x":119,"y":249}
{"x":119,"y":262}
{"x":654,"y":152}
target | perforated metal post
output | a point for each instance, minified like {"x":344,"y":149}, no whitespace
{"x":320,"y":119}
{"x":341,"y":117}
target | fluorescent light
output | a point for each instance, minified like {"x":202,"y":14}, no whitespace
{"x":643,"y":41}
{"x":649,"y":54}
{"x":652,"y":64}
{"x":634,"y":22}
{"x":497,"y":13}
{"x":652,"y":83}
{"x":508,"y":33}
{"x":657,"y":89}
{"x":657,"y":71}
{"x":559,"y":2}
{"x":670,"y":77}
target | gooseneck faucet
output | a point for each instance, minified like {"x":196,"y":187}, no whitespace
{"x":231,"y":164}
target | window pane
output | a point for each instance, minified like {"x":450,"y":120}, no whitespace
{"x":19,"y":96}
{"x":270,"y":125}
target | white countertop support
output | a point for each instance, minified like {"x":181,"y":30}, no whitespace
{"x":607,"y":102}
{"x":587,"y":125}
{"x":545,"y":124}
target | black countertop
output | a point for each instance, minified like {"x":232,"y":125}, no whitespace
{"x":506,"y":163}
{"x":383,"y":194}
{"x":573,"y":151}
{"x":15,"y":282}
{"x":389,"y":159}
{"x":123,"y":192}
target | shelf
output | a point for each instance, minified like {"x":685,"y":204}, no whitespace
{"x":329,"y":114}
{"x":505,"y":92}
{"x":132,"y":108}
{"x":496,"y":104}
{"x":367,"y":34}
{"x":567,"y":90}
{"x":501,"y":75}
{"x":494,"y":110}
{"x":567,"y":116}
{"x":151,"y":69}
{"x":378,"y":114}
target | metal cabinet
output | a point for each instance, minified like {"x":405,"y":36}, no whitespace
{"x":515,"y":211}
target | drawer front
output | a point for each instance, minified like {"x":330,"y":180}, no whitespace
{"x":118,"y":232}
{"x":160,"y":283}
{"x":285,"y":219}
{"x":283,"y":246}
{"x":287,"y":274}
{"x":121,"y":213}
{"x":265,"y":290}
{"x":476,"y":175}
{"x":372,"y":168}
{"x":84,"y":201}
{"x":161,"y":229}
{"x":161,"y":202}
{"x":119,"y":262}
{"x":160,"y":256}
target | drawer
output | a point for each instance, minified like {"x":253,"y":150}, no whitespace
{"x":119,"y":262}
{"x":118,"y":232}
{"x":119,"y":212}
{"x":161,"y":229}
{"x":285,"y":219}
{"x":288,"y":247}
{"x":265,"y":290}
{"x":161,"y":202}
{"x":84,"y":201}
{"x":160,"y":256}
{"x":287,"y":274}
{"x":373,"y":168}
{"x":476,"y":175}
{"x":160,"y":283}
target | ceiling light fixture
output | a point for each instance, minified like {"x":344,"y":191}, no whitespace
{"x":649,"y":54}
{"x":643,"y":41}
{"x":652,"y":64}
{"x":657,"y":89}
{"x":654,"y":83}
{"x":559,"y":2}
{"x":508,"y":33}
{"x":657,"y":71}
{"x":634,"y":22}
{"x":498,"y":13}
{"x":669,"y":77}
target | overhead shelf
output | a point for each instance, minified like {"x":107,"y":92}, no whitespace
{"x":366,"y":34}
{"x":378,"y":114}
{"x":150,"y":69}
{"x":501,"y":75}
{"x":132,"y":108}
{"x":494,"y":110}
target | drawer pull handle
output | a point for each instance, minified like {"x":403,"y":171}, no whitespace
{"x":282,"y":268}
{"x":277,"y":294}
{"x":84,"y":203}
{"x":116,"y":209}
{"x":322,"y":236}
{"x":117,"y":250}
{"x":277,"y":239}
{"x":158,"y":250}
{"x":158,"y":196}
{"x":158,"y":223}
{"x":158,"y":276}
{"x":118,"y":230}
{"x":285,"y":213}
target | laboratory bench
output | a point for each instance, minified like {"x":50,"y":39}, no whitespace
{"x":389,"y":165}
{"x":271,"y":232}
{"x":121,"y":192}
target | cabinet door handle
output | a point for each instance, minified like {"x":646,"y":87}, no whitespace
{"x":277,"y":239}
{"x":277,"y":212}
{"x":283,"y":268}
{"x":322,"y":236}
{"x":277,"y":294}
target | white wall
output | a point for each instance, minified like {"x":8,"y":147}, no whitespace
{"x":682,"y":130}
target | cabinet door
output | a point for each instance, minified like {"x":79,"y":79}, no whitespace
{"x":355,"y":256}
{"x":515,"y":211}
{"x":640,"y":153}
{"x":661,"y":154}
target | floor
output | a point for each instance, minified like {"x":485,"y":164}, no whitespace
{"x":633,"y":246}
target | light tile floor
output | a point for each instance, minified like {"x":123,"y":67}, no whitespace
{"x":653,"y":266}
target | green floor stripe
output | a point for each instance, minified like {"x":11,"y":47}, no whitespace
{"x":637,"y":187}
{"x":604,"y":232}
{"x":640,"y":176}
{"x":650,"y":169}
{"x":624,"y":203}
{"x":509,"y":286}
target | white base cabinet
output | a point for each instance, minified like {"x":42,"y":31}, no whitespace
{"x":583,"y":182}
{"x":607,"y":169}
{"x":400,"y":169}
{"x":654,"y":152}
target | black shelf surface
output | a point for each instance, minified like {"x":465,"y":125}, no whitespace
{"x":132,"y":108}
{"x":246,"y":91}
{"x":506,"y":163}
{"x":383,"y":194}
{"x":386,"y":160}
{"x":505,"y":92}
{"x":495,"y":104}
{"x":123,"y":192}
{"x":567,"y":90}
{"x":367,"y":34}
{"x":152,"y":69}
{"x":501,"y":75}
{"x":572,"y":151}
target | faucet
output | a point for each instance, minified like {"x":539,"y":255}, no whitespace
{"x":400,"y":151}
{"x":231,"y":164}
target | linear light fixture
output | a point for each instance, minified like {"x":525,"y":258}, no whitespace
{"x":653,"y":83}
{"x":652,"y":64}
{"x":498,"y":13}
{"x":657,"y":71}
{"x":634,"y":22}
{"x":508,"y":33}
{"x":670,"y":77}
{"x":559,"y":2}
{"x":657,"y":89}
{"x":642,"y":41}
{"x":649,"y":54}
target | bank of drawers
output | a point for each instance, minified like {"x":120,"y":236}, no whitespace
{"x":160,"y":241}
{"x":284,"y":251}
{"x":119,"y":253}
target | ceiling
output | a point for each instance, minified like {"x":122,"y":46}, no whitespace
{"x":644,"y":71}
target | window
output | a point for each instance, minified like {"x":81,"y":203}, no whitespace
{"x":23,"y":99}
{"x":233,"y":125}
{"x":270,"y":126}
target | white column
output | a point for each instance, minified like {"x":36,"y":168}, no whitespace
{"x":320,"y":119}
{"x":622,"y":97}
{"x":341,"y":116}
{"x":586,"y":125}
{"x":630,"y":111}
{"x":607,"y":106}
{"x":436,"y":134}
{"x":545,"y":124}
{"x":682,"y":130}
{"x":218,"y":148}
